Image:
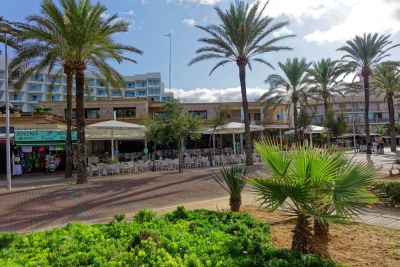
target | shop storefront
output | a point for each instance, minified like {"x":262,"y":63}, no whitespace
{"x":40,"y":150}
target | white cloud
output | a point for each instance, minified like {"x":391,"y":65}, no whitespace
{"x":206,"y":95}
{"x":127,"y":13}
{"x":283,"y":31}
{"x":340,"y":19}
{"x":189,"y":22}
{"x":196,"y":2}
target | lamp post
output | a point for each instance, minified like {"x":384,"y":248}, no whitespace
{"x":353,"y":125}
{"x":6,"y":28}
{"x":169,"y":35}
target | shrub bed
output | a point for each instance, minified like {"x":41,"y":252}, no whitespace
{"x":388,"y":191}
{"x":180,"y":238}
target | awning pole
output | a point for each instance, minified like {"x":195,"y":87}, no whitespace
{"x":280,"y":136}
{"x":112,"y":144}
{"x":311,"y":144}
{"x":234,"y":145}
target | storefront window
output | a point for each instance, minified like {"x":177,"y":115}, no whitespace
{"x":92,"y":113}
{"x":201,"y":114}
{"x":125,"y":112}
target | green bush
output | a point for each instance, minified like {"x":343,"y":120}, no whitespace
{"x":201,"y":238}
{"x":119,"y":217}
{"x":388,"y":190}
{"x":143,"y":216}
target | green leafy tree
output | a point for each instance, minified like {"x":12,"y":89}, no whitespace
{"x":291,"y":87}
{"x":362,"y":55}
{"x":386,"y":80}
{"x":336,"y":125}
{"x":173,"y":125}
{"x":312,"y":184}
{"x":242,"y":37}
{"x":324,"y":78}
{"x":233,"y":180}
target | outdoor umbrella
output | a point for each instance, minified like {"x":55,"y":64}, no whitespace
{"x":311,"y":129}
{"x":116,"y":125}
{"x":232,"y":128}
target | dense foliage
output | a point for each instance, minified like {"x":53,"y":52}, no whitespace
{"x":388,"y":190}
{"x":180,"y":238}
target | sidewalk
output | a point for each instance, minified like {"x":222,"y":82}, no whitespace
{"x":388,"y":218}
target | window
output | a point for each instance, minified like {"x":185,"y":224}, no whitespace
{"x":130,"y":85}
{"x":92,"y":113}
{"x":91,"y":82}
{"x":125,"y":112}
{"x":257,"y":116}
{"x":115,"y":93}
{"x":141,"y":93}
{"x":34,"y":98}
{"x":35,"y":88}
{"x":55,"y":98}
{"x":154,"y":82}
{"x":141,"y":84}
{"x":129,"y":94}
{"x":37,"y":77}
{"x":154,"y":91}
{"x":73,"y":114}
{"x":101,"y":93}
{"x":201,"y":114}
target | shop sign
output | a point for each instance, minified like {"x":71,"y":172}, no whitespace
{"x":38,"y":136}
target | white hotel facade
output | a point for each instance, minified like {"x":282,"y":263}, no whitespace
{"x":37,"y":88}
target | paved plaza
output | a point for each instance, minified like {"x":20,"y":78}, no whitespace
{"x":45,"y":201}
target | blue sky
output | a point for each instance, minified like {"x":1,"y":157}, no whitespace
{"x":320,"y":26}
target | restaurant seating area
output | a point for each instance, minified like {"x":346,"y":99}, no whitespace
{"x":140,"y":166}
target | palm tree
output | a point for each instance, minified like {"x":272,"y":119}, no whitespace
{"x":387,"y":80}
{"x":312,"y":184}
{"x":324,"y":76}
{"x":292,"y":87}
{"x":90,"y":41}
{"x":243,"y":35}
{"x":233,"y":180}
{"x":363,"y":54}
{"x":44,"y":47}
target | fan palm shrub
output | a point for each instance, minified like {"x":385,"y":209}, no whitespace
{"x":233,"y":180}
{"x":387,"y":80}
{"x":362,"y":55}
{"x":312,"y":184}
{"x":291,"y":87}
{"x":242,"y":37}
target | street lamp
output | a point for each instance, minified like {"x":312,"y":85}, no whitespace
{"x":169,"y":35}
{"x":6,"y":28}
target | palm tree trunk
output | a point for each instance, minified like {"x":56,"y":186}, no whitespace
{"x":68,"y":116}
{"x":326,"y":106}
{"x":247,"y":136}
{"x":295,"y":121}
{"x":321,"y":238}
{"x":366,"y":121}
{"x":180,"y":155}
{"x":392,"y":125}
{"x":235,"y":202}
{"x":80,"y":127}
{"x":302,"y":237}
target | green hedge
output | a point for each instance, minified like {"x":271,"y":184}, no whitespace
{"x":389,"y":190}
{"x":180,"y":238}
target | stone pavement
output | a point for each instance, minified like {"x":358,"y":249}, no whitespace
{"x":44,"y":202}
